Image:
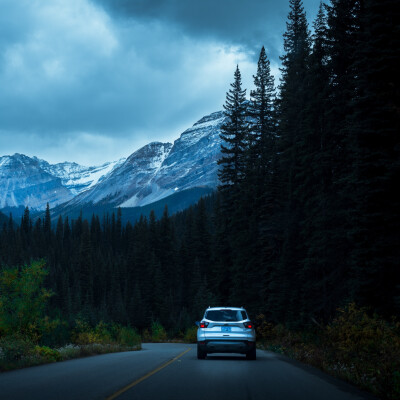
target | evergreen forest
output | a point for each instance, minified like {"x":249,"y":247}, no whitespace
{"x":307,"y":215}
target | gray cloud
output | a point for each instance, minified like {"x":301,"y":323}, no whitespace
{"x":84,"y":80}
{"x":250,"y":23}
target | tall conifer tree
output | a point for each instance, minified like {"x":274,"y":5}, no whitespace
{"x":318,"y":262}
{"x":232,"y":174}
{"x":234,"y":134}
{"x":261,"y":105}
{"x":291,"y":118}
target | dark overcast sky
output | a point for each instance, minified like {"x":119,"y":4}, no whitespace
{"x":93,"y":80}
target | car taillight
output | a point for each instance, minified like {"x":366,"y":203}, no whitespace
{"x":248,"y":325}
{"x":203,"y":324}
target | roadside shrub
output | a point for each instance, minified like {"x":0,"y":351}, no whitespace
{"x":106,"y":334}
{"x":103,"y":333}
{"x":55,"y":332}
{"x":83,"y":334}
{"x":265,"y":330}
{"x":83,"y":338}
{"x":15,"y":348}
{"x":128,"y":337}
{"x":190,"y":335}
{"x":354,"y":332}
{"x":356,"y":346}
{"x":47,"y":354}
{"x":367,"y":348}
{"x":23,"y":300}
{"x":158,"y":333}
{"x":69,"y":351}
{"x":177,"y":336}
{"x":146,"y":336}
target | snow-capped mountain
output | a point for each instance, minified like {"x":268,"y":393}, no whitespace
{"x":191,"y":163}
{"x":78,"y":178}
{"x":158,"y":170}
{"x":33,"y":182}
{"x":150,"y":174}
{"x":131,"y":177}
{"x":24,"y":183}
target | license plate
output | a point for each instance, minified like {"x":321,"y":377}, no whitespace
{"x":225,"y":328}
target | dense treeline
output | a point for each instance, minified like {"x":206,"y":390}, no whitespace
{"x":307,"y":215}
{"x":309,"y":179}
{"x":102,"y":271}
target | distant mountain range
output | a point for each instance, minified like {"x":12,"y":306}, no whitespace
{"x":157,"y":171}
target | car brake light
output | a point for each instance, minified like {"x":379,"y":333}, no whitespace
{"x":203,"y":324}
{"x":248,"y":325}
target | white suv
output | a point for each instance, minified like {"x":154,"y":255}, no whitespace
{"x":226,"y":330}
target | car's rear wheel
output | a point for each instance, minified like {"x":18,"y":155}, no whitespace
{"x":251,"y":354}
{"x":201,"y":354}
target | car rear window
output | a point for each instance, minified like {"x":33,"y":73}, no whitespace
{"x":226,"y":315}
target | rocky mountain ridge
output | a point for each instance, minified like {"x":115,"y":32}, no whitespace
{"x":24,"y":183}
{"x":78,"y":178}
{"x":153,"y":172}
{"x":159,"y":170}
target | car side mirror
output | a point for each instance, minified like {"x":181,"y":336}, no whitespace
{"x":197,"y":323}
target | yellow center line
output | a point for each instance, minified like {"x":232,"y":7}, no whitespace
{"x":131,"y":385}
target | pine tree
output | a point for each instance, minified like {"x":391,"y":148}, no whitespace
{"x":259,"y":194}
{"x":221,"y":276}
{"x":86,"y":265}
{"x":160,"y":293}
{"x":261,"y":106}
{"x":291,"y":119}
{"x":167,"y":250}
{"x":201,"y":237}
{"x":26,"y":221}
{"x":338,"y":162}
{"x":47,"y":224}
{"x":262,"y":135}
{"x":234,"y":133}
{"x":59,"y":230}
{"x":318,"y":271}
{"x":136,"y":309}
{"x":25,"y":230}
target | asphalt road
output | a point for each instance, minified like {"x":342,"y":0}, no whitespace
{"x":172,"y":371}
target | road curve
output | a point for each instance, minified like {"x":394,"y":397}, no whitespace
{"x":168,"y":371}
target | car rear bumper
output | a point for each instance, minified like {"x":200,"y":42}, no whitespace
{"x":226,"y":346}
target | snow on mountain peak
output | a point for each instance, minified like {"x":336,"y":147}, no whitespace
{"x":24,"y":183}
{"x":158,"y":170}
{"x":202,"y":128}
{"x":128,"y":178}
{"x":78,"y":178}
{"x":151,"y":173}
{"x":212,"y":119}
{"x":153,"y":154}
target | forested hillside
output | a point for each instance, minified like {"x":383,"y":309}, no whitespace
{"x":3,"y":218}
{"x":306,"y":218}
